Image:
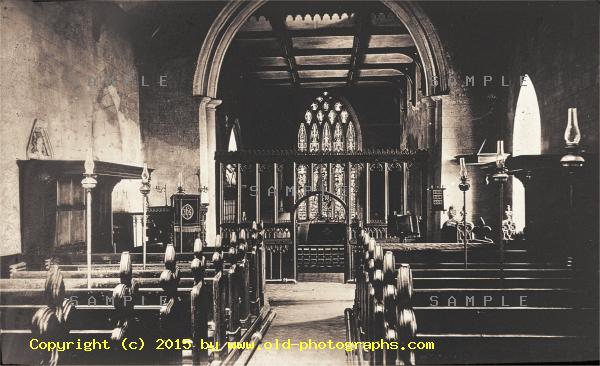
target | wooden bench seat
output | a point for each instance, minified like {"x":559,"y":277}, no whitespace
{"x":532,"y":311}
{"x":216,"y":300}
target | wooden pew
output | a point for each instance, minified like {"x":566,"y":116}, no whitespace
{"x":216,"y":308}
{"x":553,"y":324}
{"x":382,"y":308}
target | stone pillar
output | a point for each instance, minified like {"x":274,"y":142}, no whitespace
{"x":433,"y":169}
{"x":208,"y":147}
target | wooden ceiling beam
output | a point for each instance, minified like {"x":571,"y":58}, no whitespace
{"x":395,"y":80}
{"x":321,"y":32}
{"x":255,"y":52}
{"x":399,"y":67}
{"x":285,"y":41}
{"x":359,"y":47}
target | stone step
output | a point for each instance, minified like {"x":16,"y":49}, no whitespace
{"x":491,"y":282}
{"x":334,"y":277}
{"x":509,"y":348}
{"x":496,"y":297}
{"x":499,"y":320}
{"x":483,"y":265}
{"x":481,"y":272}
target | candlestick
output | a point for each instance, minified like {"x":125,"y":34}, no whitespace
{"x":464,"y":187}
{"x":88,"y":183}
{"x":500,"y":176}
{"x":145,"y":190}
{"x":572,"y":161}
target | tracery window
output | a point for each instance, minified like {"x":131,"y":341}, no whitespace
{"x":332,"y":129}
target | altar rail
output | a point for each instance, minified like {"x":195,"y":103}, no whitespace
{"x":278,"y":246}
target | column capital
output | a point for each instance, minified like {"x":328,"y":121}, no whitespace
{"x":428,"y":101}
{"x":214,"y":103}
{"x":209,"y":102}
{"x":203,"y":100}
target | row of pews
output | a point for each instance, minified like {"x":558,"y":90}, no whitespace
{"x":521,"y":312}
{"x":382,"y":308}
{"x":175,"y":312}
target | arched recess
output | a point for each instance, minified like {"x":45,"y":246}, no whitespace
{"x":527,"y":140}
{"x":235,"y":13}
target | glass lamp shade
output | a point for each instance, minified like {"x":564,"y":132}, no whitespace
{"x":572,"y":133}
{"x":89,"y":165}
{"x":463,"y":168}
{"x":500,"y":158}
{"x":145,"y":174}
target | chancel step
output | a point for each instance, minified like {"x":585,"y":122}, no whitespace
{"x":507,"y":348}
{"x":496,"y":296}
{"x":502,"y":320}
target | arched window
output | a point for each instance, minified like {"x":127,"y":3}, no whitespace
{"x":324,"y":115}
{"x":527,"y":140}
{"x":233,"y":145}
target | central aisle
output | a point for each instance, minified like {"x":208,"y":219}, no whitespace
{"x":307,"y":310}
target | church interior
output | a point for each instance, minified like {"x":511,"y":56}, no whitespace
{"x":355,"y":174}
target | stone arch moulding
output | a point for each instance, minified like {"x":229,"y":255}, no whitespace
{"x":235,"y":13}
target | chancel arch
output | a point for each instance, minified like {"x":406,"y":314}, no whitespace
{"x":431,"y":79}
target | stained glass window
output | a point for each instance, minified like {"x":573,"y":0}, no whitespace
{"x":352,"y":205}
{"x":328,"y":126}
{"x":314,"y":138}
{"x":338,"y":138}
{"x":350,"y":138}
{"x":301,"y":180}
{"x":338,"y":190}
{"x":302,"y":143}
{"x":326,"y":144}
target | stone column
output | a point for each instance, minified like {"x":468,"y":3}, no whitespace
{"x":434,"y":167}
{"x":208,"y":147}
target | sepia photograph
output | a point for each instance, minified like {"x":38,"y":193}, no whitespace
{"x":299,"y":182}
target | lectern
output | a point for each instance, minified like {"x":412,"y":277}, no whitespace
{"x":189,"y":216}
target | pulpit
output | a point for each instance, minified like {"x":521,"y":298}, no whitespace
{"x":53,"y":205}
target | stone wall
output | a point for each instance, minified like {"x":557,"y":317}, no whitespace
{"x":62,"y":64}
{"x":557,"y":46}
{"x":169,"y":115}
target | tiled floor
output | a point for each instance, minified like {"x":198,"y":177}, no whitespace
{"x":307,"y":310}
